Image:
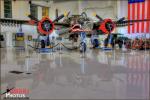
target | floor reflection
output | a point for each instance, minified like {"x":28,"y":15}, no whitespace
{"x":100,"y":75}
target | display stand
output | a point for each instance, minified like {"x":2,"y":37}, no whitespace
{"x":83,"y":53}
{"x":82,"y":65}
{"x":26,"y":48}
{"x":123,"y":47}
{"x":60,"y":47}
{"x":60,"y":60}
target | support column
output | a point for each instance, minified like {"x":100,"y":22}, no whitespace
{"x":122,"y":11}
{"x":9,"y":39}
{"x":39,"y":12}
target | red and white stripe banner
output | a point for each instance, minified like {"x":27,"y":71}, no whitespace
{"x":139,"y":11}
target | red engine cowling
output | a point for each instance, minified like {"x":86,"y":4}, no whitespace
{"x":45,"y":26}
{"x":107,"y":26}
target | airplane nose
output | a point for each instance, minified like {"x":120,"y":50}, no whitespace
{"x":45,"y":26}
{"x":107,"y":26}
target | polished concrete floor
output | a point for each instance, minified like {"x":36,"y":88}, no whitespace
{"x":69,"y":75}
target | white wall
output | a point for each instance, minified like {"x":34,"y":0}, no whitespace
{"x":122,"y":12}
{"x":62,"y":7}
{"x":1,"y":9}
{"x":42,"y":3}
{"x":104,"y":8}
{"x":20,"y":9}
{"x":39,"y":13}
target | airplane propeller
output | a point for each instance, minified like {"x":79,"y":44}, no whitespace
{"x":59,"y":17}
{"x":33,"y":18}
{"x":45,"y":26}
{"x":107,"y":25}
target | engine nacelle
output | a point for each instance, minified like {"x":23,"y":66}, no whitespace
{"x":107,"y":26}
{"x":45,"y":26}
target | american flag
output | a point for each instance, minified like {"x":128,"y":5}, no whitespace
{"x":139,"y":10}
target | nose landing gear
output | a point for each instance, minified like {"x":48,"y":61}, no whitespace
{"x":83,"y":47}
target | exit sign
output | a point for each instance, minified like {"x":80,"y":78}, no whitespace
{"x":135,"y":1}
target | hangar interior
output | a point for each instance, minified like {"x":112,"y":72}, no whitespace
{"x":75,"y":49}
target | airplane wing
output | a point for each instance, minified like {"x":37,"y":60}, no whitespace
{"x":62,"y":24}
{"x":128,"y":22}
{"x":63,"y":31}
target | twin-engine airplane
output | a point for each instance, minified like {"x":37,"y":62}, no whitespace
{"x":77,"y":24}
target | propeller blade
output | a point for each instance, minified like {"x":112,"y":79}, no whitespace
{"x":33,"y":18}
{"x":68,"y":14}
{"x":120,"y":20}
{"x":60,"y":17}
{"x":97,"y":16}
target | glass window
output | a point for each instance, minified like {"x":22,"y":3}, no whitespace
{"x":8,"y":8}
{"x":45,"y":11}
{"x":34,"y":10}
